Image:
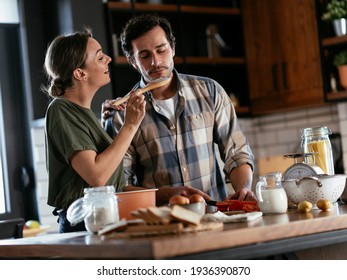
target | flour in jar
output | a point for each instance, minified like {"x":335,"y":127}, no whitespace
{"x":101,"y":216}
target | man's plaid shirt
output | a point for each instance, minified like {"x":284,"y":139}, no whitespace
{"x":163,"y":153}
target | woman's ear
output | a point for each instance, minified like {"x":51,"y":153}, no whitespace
{"x":79,"y":74}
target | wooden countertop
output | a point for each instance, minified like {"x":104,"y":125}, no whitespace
{"x":267,"y":235}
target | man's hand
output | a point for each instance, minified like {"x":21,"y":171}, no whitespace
{"x":107,"y":107}
{"x":241,"y":180}
{"x":243,"y":194}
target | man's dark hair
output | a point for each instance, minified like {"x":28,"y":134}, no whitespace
{"x":141,"y":24}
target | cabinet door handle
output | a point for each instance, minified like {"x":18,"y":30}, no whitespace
{"x":284,"y":75}
{"x":274,"y":76}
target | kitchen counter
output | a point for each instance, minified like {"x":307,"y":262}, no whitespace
{"x":269,"y":235}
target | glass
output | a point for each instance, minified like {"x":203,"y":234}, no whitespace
{"x":316,"y":140}
{"x":98,"y":207}
{"x":272,"y":198}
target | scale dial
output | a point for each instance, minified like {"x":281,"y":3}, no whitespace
{"x":300,"y":170}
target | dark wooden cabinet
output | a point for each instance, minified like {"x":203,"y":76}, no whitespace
{"x":330,"y":45}
{"x":278,"y":54}
{"x":196,"y":52}
{"x":283,"y":54}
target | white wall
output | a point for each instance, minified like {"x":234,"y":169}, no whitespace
{"x":276,"y":134}
{"x":38,"y":140}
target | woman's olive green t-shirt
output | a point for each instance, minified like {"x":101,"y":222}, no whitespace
{"x":70,"y":128}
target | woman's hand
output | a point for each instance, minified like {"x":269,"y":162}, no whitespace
{"x":135,"y":109}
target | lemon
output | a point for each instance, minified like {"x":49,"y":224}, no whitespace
{"x":323,"y":204}
{"x":32,"y":224}
{"x":304,"y":206}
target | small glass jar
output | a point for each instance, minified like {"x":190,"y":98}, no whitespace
{"x":316,"y":140}
{"x":97,"y":208}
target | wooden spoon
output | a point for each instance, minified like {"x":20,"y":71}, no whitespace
{"x":151,"y":85}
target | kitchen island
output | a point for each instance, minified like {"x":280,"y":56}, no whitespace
{"x":266,"y":237}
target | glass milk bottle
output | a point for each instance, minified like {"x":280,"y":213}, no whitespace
{"x":316,"y":140}
{"x":97,"y":208}
{"x":272,"y":198}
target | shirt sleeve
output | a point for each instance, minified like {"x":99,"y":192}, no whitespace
{"x":69,"y":136}
{"x":129,"y":160}
{"x":232,"y":143}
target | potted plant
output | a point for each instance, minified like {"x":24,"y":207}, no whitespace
{"x":336,"y":12}
{"x":340,"y":61}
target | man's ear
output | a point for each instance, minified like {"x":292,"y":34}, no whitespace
{"x":131,"y":61}
{"x":79,"y":74}
{"x":133,"y":64}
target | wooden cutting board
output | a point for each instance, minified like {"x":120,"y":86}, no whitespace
{"x":157,"y":230}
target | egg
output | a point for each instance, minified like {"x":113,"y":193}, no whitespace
{"x":178,"y":200}
{"x":196,"y":198}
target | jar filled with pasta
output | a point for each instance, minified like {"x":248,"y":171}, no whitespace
{"x":316,"y":140}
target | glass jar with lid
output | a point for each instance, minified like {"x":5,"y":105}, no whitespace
{"x":316,"y":140}
{"x":98,"y":207}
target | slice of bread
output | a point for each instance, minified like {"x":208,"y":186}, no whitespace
{"x":119,"y":226}
{"x":185,"y":216}
{"x":161,"y":214}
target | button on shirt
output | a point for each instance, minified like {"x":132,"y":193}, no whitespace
{"x":182,"y":152}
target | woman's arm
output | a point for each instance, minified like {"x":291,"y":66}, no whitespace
{"x":95,"y":168}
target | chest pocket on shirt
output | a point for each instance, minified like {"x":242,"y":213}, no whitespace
{"x":201,"y":127}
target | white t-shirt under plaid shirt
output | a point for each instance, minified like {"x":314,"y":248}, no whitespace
{"x":165,"y":153}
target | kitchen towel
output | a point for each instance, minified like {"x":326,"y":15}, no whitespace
{"x":220,"y":216}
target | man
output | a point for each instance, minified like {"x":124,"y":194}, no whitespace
{"x":174,"y":148}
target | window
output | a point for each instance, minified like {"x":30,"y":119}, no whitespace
{"x":8,"y":16}
{"x":3,"y":182}
{"x":9,"y":11}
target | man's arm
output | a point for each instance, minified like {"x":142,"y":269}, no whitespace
{"x":234,"y":147}
{"x":241,"y":180}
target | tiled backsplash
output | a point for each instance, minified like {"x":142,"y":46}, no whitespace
{"x":270,"y":135}
{"x":280,"y":134}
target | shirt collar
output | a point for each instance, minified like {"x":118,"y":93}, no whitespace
{"x":149,"y":95}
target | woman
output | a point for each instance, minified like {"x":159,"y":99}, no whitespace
{"x":79,"y":152}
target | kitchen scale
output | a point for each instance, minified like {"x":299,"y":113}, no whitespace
{"x":301,"y":169}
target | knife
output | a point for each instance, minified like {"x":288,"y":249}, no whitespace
{"x":212,"y":202}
